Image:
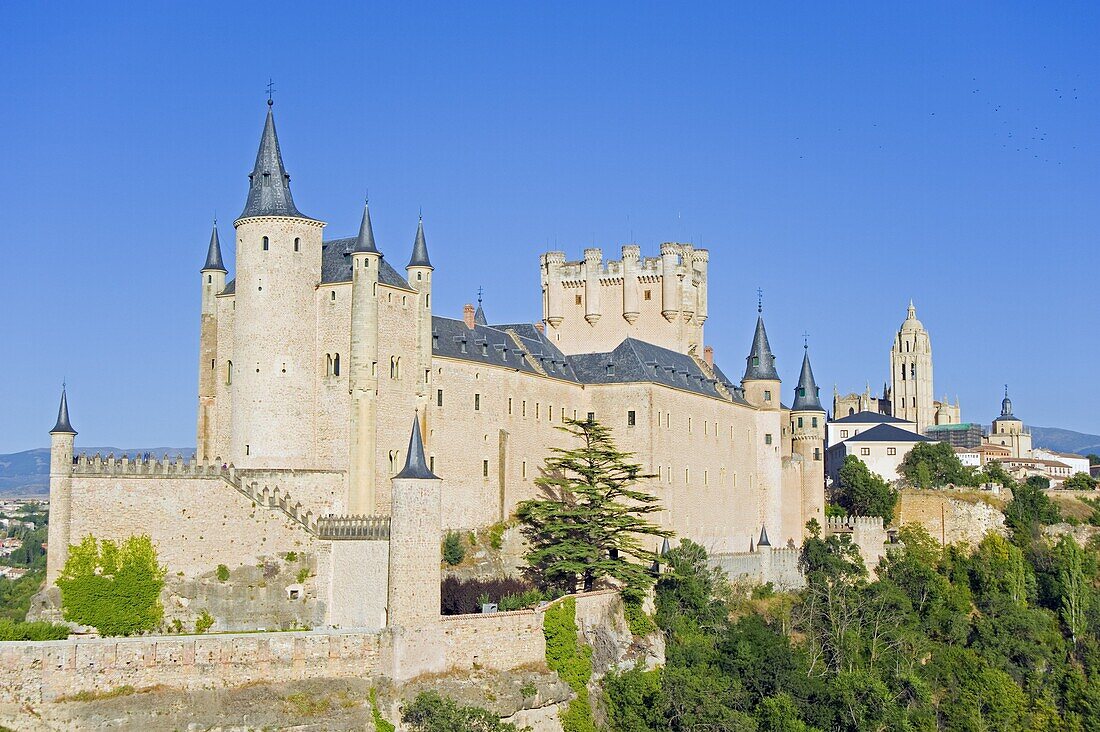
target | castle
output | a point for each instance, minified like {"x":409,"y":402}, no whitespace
{"x":315,"y":355}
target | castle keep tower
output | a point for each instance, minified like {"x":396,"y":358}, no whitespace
{"x":808,"y":440}
{"x":278,"y":269}
{"x":213,"y":281}
{"x":419,"y":273}
{"x":593,"y":305}
{"x":911,"y":373}
{"x":365,"y":261}
{"x":62,"y":437}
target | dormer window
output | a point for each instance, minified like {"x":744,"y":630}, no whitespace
{"x":755,"y":360}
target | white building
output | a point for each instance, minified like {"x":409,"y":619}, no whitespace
{"x":882,"y":448}
{"x":842,"y":429}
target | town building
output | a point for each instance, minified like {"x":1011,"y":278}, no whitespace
{"x":882,"y":448}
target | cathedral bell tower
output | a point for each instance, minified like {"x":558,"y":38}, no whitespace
{"x":911,"y":373}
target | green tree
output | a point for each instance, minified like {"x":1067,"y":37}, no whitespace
{"x":453,"y":551}
{"x":1030,"y":508}
{"x":431,"y":712}
{"x":592,"y":520}
{"x":942,"y":466}
{"x":1074,"y":583}
{"x":1079,"y":482}
{"x":864,"y":493}
{"x":998,"y":571}
{"x":113,"y":588}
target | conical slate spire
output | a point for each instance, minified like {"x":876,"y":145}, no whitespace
{"x":63,"y":425}
{"x":269,"y":183}
{"x":214,"y":253}
{"x":760,"y":363}
{"x":763,"y":541}
{"x":806,"y":393}
{"x":420,"y":248}
{"x":416,"y":466}
{"x":365,"y":241}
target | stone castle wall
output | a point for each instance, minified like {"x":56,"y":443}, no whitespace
{"x":948,"y":518}
{"x":778,"y":566}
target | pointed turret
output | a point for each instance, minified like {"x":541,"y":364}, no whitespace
{"x":806,"y":393}
{"x":63,"y":426}
{"x":763,"y":541}
{"x":416,"y":466}
{"x":760,"y":363}
{"x":365,"y":241}
{"x":214,"y":253}
{"x":420,"y":248}
{"x":665,"y":547}
{"x":269,"y":183}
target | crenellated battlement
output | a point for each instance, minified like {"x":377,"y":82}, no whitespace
{"x":179,"y":466}
{"x":849,"y":524}
{"x":353,"y":527}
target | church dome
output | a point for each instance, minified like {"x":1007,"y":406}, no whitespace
{"x":911,"y":323}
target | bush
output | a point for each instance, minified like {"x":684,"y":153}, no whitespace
{"x":431,"y":712}
{"x":380,"y":723}
{"x":291,"y":556}
{"x":521,"y":601}
{"x":113,"y":588}
{"x":222,"y":573}
{"x":453,"y":551}
{"x":639,"y":623}
{"x":460,"y":597}
{"x":204,"y":622}
{"x":303,"y":575}
{"x":36,"y":631}
{"x":572,"y":661}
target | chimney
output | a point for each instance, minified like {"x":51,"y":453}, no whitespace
{"x":540,"y":327}
{"x":708,"y":355}
{"x":468,"y":315}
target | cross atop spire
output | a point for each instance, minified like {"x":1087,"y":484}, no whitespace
{"x":759,"y":300}
{"x":270,"y":91}
{"x":479,"y":314}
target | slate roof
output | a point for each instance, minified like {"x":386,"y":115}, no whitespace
{"x":760,"y":363}
{"x":420,"y":248}
{"x":336,"y":266}
{"x":864,"y":417}
{"x":416,"y":466}
{"x":887,"y":433}
{"x":493,"y":345}
{"x":269,"y":183}
{"x":63,"y":425}
{"x":214,"y":252}
{"x":806,"y":393}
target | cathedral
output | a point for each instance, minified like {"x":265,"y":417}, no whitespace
{"x":909,"y":395}
{"x":316,"y":352}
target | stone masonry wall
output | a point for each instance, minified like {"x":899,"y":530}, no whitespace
{"x":31,"y":672}
{"x":949,"y":519}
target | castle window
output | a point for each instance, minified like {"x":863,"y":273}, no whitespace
{"x":404,"y":300}
{"x":817,"y":453}
{"x":630,"y":418}
{"x":523,"y":470}
{"x":336,"y":365}
{"x":419,"y":275}
{"x":228,"y":373}
{"x":374,"y":368}
{"x":209,"y":279}
{"x":668,"y":419}
{"x":538,"y":410}
{"x":267,"y":244}
{"x":484,"y":468}
{"x":851,"y":411}
{"x":427,"y":375}
{"x":439,"y":397}
{"x":591,"y":416}
{"x":689,"y":425}
{"x":550,"y":413}
{"x":799,"y":423}
{"x":768,"y":438}
{"x":332,"y":296}
{"x":523,"y":408}
{"x":914,"y":401}
{"x":648,"y":295}
{"x":903,"y":372}
{"x":395,"y":367}
{"x":844,"y":433}
{"x":427,"y":301}
{"x":393,"y":461}
{"x":509,"y":405}
{"x":891,"y":451}
{"x":462,"y":346}
{"x":578,"y":299}
{"x":801,"y":391}
{"x":477,"y":402}
{"x":912,"y":371}
{"x":610,"y":369}
{"x":864,"y":451}
{"x":211,"y":364}
{"x":431,"y":463}
{"x":687,"y":476}
{"x":813,"y":421}
{"x":767,"y":395}
{"x":484,"y":349}
{"x":435,"y":340}
{"x":297,"y":244}
{"x":247,"y":450}
{"x":755,"y":360}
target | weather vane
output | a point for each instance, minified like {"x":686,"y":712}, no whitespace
{"x":759,"y":300}
{"x":806,"y":340}
{"x":270,"y":91}
{"x":479,"y":291}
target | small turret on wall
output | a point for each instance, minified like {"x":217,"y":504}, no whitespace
{"x":62,"y":437}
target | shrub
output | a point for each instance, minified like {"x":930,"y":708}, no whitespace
{"x":204,"y":622}
{"x":291,"y":556}
{"x":453,"y":551}
{"x":36,"y":631}
{"x":431,"y":712}
{"x":380,"y":723}
{"x":303,"y":574}
{"x":113,"y":588}
{"x":460,"y":597}
{"x":639,"y":623}
{"x":572,"y":661}
{"x":526,"y":599}
{"x":222,"y":573}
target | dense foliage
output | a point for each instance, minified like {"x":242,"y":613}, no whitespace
{"x":36,"y":631}
{"x":592,"y":519}
{"x":15,"y":595}
{"x":430,"y":712}
{"x":114,"y":588}
{"x":572,"y":661}
{"x":1001,"y":636}
{"x":459,"y":597}
{"x":934,"y":465}
{"x":453,"y":551}
{"x":861,"y":492}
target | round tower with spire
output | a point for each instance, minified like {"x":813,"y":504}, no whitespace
{"x":62,"y":437}
{"x":365,"y":262}
{"x":213,"y":274}
{"x":761,"y":381}
{"x":278,"y":268}
{"x":807,"y":428}
{"x":419,"y":274}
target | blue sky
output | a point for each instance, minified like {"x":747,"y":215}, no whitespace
{"x":844,"y":158}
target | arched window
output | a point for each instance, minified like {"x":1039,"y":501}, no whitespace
{"x":903,"y":372}
{"x":395,"y":367}
{"x":332,"y":295}
{"x":209,"y":279}
{"x":336,"y":365}
{"x":229,"y":373}
{"x":328,"y":364}
{"x":851,"y":411}
{"x":267,"y":244}
{"x":912,"y":371}
{"x":297,"y":244}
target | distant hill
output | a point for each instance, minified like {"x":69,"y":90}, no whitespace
{"x":27,"y":473}
{"x":1055,"y":438}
